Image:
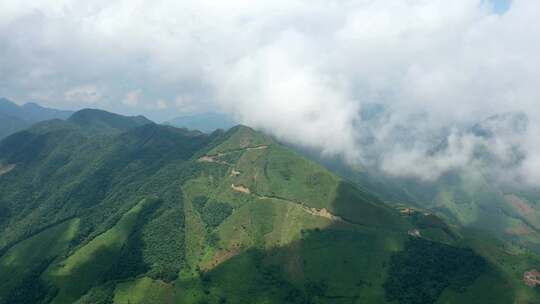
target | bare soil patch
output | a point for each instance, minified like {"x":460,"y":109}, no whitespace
{"x":235,"y":172}
{"x":322,"y":213}
{"x":240,"y":188}
{"x":208,"y":159}
{"x":262,"y":147}
{"x":6,"y":168}
{"x":519,"y":230}
{"x":532,"y":278}
{"x":414,"y":233}
{"x":519,"y":204}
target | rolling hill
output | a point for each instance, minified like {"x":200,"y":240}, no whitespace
{"x":102,"y":208}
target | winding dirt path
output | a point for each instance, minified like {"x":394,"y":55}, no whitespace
{"x":320,"y":212}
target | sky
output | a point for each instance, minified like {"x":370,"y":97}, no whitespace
{"x":501,"y":6}
{"x":382,"y":83}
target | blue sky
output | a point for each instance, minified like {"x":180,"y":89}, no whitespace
{"x":501,"y":6}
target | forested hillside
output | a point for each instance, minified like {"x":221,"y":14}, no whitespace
{"x":103,"y":208}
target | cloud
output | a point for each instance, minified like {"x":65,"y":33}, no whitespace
{"x":186,"y":103}
{"x":86,"y":94}
{"x":398,"y":85}
{"x":161,"y":104}
{"x":132,"y":98}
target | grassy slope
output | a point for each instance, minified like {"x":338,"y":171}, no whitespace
{"x":143,"y":291}
{"x":76,"y":274}
{"x":22,"y":258}
{"x":272,"y":222}
{"x":270,"y":250}
{"x":296,"y":255}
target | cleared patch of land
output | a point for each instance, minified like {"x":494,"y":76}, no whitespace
{"x":520,"y":205}
{"x":6,"y":168}
{"x":240,"y":188}
{"x":235,"y":172}
{"x":532,"y":278}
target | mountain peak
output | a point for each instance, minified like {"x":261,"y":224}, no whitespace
{"x":241,"y":137}
{"x":107,"y":121}
{"x":9,"y":108}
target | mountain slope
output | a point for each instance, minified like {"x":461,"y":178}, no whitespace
{"x":14,"y":118}
{"x":467,"y":198}
{"x":10,"y":125}
{"x":155,"y":214}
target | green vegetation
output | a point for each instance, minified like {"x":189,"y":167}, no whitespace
{"x":466,"y":198}
{"x":212,"y":213}
{"x":143,"y":291}
{"x":238,"y":138}
{"x":22,"y":265}
{"x":75,"y":275}
{"x":109,"y":209}
{"x":14,"y":118}
{"x":420,"y":272}
{"x":103,"y":294}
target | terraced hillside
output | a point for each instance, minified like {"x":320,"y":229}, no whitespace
{"x":126,"y":211}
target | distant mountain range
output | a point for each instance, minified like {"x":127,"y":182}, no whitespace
{"x":14,"y":118}
{"x":204,"y":122}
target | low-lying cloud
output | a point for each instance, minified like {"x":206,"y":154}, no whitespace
{"x":414,"y":88}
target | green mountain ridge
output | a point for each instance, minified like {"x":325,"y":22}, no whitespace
{"x":103,"y":208}
{"x":94,"y":120}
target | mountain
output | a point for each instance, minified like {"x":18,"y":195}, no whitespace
{"x":482,"y":195}
{"x":148,"y":213}
{"x":14,"y":118}
{"x":467,"y":198}
{"x":479,"y":196}
{"x":204,"y":122}
{"x":34,"y":112}
{"x":10,"y":125}
{"x":94,"y":120}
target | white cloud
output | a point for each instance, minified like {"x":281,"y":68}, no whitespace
{"x":132,"y":98}
{"x":302,"y":70}
{"x":161,"y":105}
{"x":186,"y":103}
{"x":86,"y":94}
